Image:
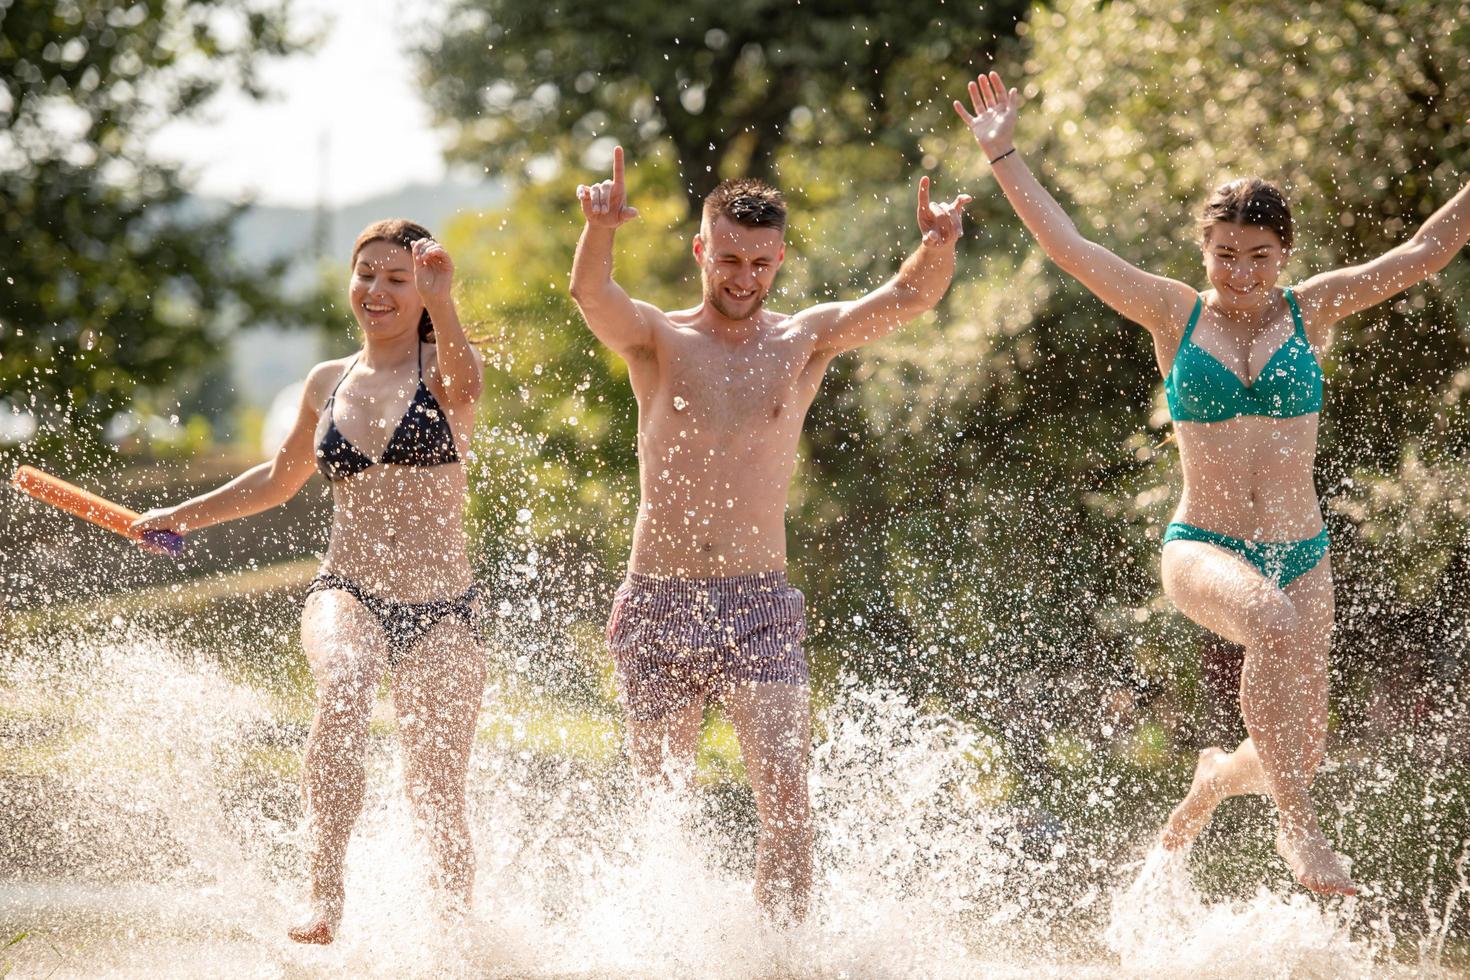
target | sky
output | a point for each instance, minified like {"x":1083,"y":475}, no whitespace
{"x":322,"y":134}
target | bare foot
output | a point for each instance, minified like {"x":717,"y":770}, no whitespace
{"x":1316,"y":866}
{"x":320,"y":926}
{"x":1193,"y":813}
{"x":452,"y":911}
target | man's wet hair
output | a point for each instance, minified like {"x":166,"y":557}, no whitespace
{"x":747,"y":202}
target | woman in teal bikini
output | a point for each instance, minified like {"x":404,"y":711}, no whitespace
{"x":1246,"y":555}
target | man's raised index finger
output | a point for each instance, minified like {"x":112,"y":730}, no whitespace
{"x":618,"y":165}
{"x":924,"y":194}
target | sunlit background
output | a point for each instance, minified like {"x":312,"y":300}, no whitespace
{"x":1007,"y":705}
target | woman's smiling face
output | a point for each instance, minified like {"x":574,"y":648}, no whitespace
{"x":1243,"y":263}
{"x":382,"y":291}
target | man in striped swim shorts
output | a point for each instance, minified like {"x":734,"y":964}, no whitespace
{"x":722,"y":389}
{"x":676,"y":641}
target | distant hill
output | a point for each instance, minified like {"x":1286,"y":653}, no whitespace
{"x":264,"y":233}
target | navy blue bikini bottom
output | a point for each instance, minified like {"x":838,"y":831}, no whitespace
{"x":404,"y":624}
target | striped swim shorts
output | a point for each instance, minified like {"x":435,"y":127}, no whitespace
{"x":678,"y":641}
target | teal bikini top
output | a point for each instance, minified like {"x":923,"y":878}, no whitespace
{"x":1201,"y":389}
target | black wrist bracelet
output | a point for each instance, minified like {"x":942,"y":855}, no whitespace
{"x":1002,"y":156}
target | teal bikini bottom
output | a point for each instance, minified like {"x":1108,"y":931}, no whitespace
{"x":1283,"y":562}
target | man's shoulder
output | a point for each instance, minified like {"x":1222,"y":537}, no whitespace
{"x":787,"y":325}
{"x":688,"y":318}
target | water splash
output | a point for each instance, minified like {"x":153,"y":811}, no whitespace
{"x":1160,"y":926}
{"x":151,"y":826}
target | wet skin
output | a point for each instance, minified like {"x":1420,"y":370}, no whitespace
{"x":719,"y":422}
{"x":723,"y":389}
{"x":1248,"y":477}
{"x":397,"y":531}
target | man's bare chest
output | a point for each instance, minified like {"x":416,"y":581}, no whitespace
{"x":722,"y":390}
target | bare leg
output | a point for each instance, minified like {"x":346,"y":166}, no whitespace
{"x":1301,"y":843}
{"x":663,"y":749}
{"x":1283,"y":698}
{"x":1193,"y":813}
{"x":345,"y":648}
{"x":1218,"y":775}
{"x":773,"y":725}
{"x":437,"y":689}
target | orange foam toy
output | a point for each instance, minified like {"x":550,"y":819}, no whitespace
{"x":89,"y":507}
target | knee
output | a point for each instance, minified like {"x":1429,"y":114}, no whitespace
{"x":1272,"y":621}
{"x":340,"y":730}
{"x":442,"y":815}
{"x":434,"y":797}
{"x":345,"y":692}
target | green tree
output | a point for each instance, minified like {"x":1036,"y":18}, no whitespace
{"x":1361,"y":117}
{"x":979,"y":510}
{"x":728,"y":85}
{"x":110,"y":281}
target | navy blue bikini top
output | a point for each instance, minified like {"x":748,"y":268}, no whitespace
{"x":423,"y":436}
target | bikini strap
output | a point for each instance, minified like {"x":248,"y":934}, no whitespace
{"x":1199,"y":304}
{"x":333,"y":396}
{"x":1296,"y":313}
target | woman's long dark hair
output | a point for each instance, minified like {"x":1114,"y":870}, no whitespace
{"x":404,"y":233}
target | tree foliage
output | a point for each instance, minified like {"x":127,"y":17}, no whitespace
{"x":979,"y":509}
{"x":112,"y":282}
{"x":1360,"y":115}
{"x":728,"y":85}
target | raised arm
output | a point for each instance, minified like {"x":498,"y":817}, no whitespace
{"x":622,"y":323}
{"x":1154,"y":302}
{"x":1329,"y":297}
{"x":919,"y":284}
{"x":460,"y":370}
{"x":261,"y":487}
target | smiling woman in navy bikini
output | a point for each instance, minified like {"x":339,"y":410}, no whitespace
{"x":385,"y":427}
{"x":1246,"y":555}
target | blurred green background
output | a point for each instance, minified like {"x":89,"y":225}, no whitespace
{"x":977,"y":514}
